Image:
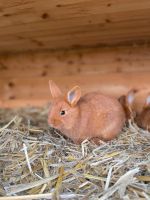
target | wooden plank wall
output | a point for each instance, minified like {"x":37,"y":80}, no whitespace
{"x":54,"y":24}
{"x":24,"y":77}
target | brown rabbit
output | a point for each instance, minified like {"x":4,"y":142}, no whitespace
{"x":143,"y":119}
{"x":127,"y":103}
{"x":94,"y":116}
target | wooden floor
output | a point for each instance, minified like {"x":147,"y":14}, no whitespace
{"x":114,"y":71}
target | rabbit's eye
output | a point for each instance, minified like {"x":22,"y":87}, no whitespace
{"x":62,"y":112}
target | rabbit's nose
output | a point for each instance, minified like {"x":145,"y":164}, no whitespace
{"x":54,"y":122}
{"x":50,"y":121}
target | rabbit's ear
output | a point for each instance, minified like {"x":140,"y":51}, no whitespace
{"x":147,"y":102}
{"x":130,"y":97}
{"x":74,"y":95}
{"x":54,"y":89}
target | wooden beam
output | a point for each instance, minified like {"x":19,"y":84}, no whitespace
{"x":36,"y":89}
{"x":35,"y":25}
{"x":24,"y":77}
{"x":80,"y":62}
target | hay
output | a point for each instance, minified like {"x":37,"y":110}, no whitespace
{"x":36,"y":162}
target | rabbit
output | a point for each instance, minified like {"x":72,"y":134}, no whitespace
{"x":94,"y":116}
{"x":143,"y":118}
{"x":127,"y":102}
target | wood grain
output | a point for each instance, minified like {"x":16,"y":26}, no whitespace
{"x":37,"y":25}
{"x":24,"y":76}
{"x":80,"y":62}
{"x":36,"y":89}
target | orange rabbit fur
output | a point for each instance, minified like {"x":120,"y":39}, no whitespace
{"x":127,"y":102}
{"x":92,"y":116}
{"x":143,"y":119}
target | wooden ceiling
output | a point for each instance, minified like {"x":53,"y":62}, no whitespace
{"x":55,"y":24}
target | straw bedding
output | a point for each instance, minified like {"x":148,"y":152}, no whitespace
{"x":37,"y":162}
